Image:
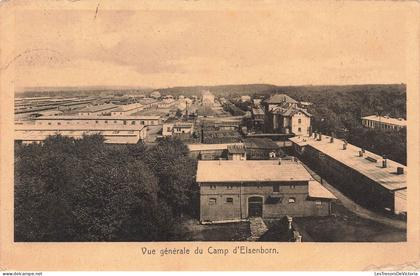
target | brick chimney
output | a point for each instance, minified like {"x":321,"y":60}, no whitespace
{"x":345,"y":145}
{"x":320,"y":136}
{"x":400,"y":170}
{"x":384,"y":162}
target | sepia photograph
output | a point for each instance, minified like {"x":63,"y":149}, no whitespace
{"x":206,"y":123}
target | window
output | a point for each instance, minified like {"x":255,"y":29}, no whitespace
{"x":49,"y":123}
{"x":229,"y":200}
{"x":115,"y":122}
{"x":96,"y":122}
{"x":133,"y":122}
{"x":212,"y":201}
{"x":299,"y":129}
{"x":106,"y":122}
{"x":125,"y":122}
{"x":292,"y":200}
{"x":318,"y":202}
{"x":59,"y":123}
{"x":292,"y":186}
{"x":299,"y":121}
{"x":276,"y":188}
{"x":168,"y":129}
{"x":213,"y":187}
{"x":229,"y":187}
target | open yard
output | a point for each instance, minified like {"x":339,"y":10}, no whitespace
{"x":345,"y":226}
{"x":237,"y":231}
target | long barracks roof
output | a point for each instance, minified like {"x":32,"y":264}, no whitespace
{"x":370,"y":167}
{"x":97,"y":117}
{"x":97,"y":108}
{"x":251,"y":171}
{"x":386,"y":120}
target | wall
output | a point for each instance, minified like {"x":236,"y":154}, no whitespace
{"x":238,"y":209}
{"x":304,"y":125}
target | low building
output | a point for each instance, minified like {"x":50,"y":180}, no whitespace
{"x":236,"y":152}
{"x":262,"y":149}
{"x":384,"y":122}
{"x":236,"y":190}
{"x":210,"y":151}
{"x":103,"y":109}
{"x":113,"y":134}
{"x":367,"y":178}
{"x":99,"y":120}
{"x":128,"y":109}
{"x":279,"y":100}
{"x":155,"y":94}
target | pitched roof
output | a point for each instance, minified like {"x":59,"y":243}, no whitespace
{"x":289,"y":111}
{"x":316,"y":190}
{"x":236,"y":149}
{"x":250,"y":171}
{"x":280,"y":98}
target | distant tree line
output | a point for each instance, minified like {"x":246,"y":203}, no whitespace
{"x":85,"y":190}
{"x":339,"y":110}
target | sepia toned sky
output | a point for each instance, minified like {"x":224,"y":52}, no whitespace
{"x":285,"y":45}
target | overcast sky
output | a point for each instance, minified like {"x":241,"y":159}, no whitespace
{"x":285,"y":46}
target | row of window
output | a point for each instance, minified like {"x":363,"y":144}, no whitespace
{"x":229,"y":200}
{"x":276,"y":187}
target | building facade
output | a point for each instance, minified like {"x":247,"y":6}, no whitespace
{"x":113,"y":134}
{"x":235,"y":190}
{"x":283,"y":115}
{"x":99,"y":120}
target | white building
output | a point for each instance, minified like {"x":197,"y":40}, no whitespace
{"x":384,"y":122}
{"x":113,"y":134}
{"x":99,"y":120}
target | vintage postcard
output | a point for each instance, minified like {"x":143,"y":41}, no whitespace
{"x":209,"y":135}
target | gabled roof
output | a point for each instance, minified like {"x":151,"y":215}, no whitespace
{"x":280,"y":98}
{"x":236,"y":149}
{"x":251,"y":171}
{"x":289,"y":111}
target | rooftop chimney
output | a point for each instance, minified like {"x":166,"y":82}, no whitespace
{"x":384,"y":163}
{"x":331,"y":139}
{"x":345,"y":145}
{"x":400,"y":170}
{"x":360,"y":153}
{"x":320,"y":136}
{"x":314,"y":135}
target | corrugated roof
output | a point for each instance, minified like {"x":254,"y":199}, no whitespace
{"x":387,"y":177}
{"x":316,"y":190}
{"x":250,"y":171}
